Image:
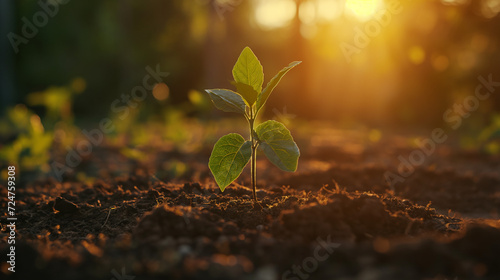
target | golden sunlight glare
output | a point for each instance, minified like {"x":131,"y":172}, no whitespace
{"x":362,"y":9}
{"x":274,"y":13}
{"x":320,"y":11}
{"x":329,"y":9}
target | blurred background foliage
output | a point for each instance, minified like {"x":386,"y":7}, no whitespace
{"x":426,"y":58}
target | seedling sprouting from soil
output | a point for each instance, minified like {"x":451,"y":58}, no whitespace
{"x":232,"y":152}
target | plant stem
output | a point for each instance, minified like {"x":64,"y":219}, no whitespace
{"x":253,"y":159}
{"x":254,"y":171}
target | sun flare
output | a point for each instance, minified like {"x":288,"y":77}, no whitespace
{"x":275,"y":13}
{"x":362,"y":9}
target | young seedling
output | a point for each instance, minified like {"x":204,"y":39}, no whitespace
{"x":232,"y":152}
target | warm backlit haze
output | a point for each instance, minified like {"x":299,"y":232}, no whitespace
{"x":274,"y":14}
{"x":381,"y":146}
{"x":384,"y":61}
{"x":375,"y":62}
{"x":362,"y":9}
{"x":279,"y":13}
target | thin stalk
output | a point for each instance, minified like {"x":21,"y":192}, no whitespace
{"x":253,"y":159}
{"x":254,"y":171}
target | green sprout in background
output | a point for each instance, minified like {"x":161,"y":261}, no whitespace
{"x":30,"y":148}
{"x":26,"y":139}
{"x":231,"y":153}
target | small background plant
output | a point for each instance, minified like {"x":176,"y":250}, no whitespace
{"x":232,"y":152}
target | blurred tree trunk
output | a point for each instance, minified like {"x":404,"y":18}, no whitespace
{"x":7,"y":14}
{"x":301,"y":75}
{"x":213,"y":61}
{"x":126,"y":50}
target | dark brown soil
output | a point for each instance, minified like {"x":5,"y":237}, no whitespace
{"x":335,"y":218}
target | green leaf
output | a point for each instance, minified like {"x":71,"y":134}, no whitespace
{"x":262,"y":98}
{"x":247,"y":92}
{"x":278,"y":145}
{"x":248,"y":71}
{"x":229,"y":156}
{"x":226,"y":100}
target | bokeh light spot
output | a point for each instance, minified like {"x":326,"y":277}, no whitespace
{"x":374,"y":135}
{"x":490,"y":8}
{"x":275,"y":13}
{"x":440,"y":62}
{"x":195,"y":97}
{"x":161,"y":91}
{"x":78,"y":85}
{"x":416,"y":55}
{"x":307,"y":12}
{"x":311,"y":12}
{"x":329,"y":9}
{"x":362,"y":9}
{"x":381,"y":245}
